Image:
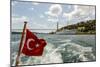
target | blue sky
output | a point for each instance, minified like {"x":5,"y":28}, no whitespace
{"x":46,"y":15}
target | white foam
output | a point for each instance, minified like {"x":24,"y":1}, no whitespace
{"x":81,"y":51}
{"x":52,"y":55}
{"x":47,"y":57}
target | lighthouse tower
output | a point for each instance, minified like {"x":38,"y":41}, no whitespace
{"x":57,"y":26}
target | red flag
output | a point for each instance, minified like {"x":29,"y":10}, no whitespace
{"x":32,"y":45}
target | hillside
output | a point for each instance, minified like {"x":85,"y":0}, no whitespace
{"x":84,"y":27}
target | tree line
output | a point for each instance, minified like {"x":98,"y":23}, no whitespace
{"x":84,"y":26}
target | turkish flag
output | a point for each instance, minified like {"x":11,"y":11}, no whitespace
{"x":32,"y":45}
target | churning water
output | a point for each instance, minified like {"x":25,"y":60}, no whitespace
{"x":59,"y":49}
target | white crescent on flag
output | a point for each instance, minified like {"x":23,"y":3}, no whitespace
{"x":28,"y":41}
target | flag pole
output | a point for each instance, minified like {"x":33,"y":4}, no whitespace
{"x":20,"y":46}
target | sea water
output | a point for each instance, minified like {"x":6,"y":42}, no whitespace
{"x":59,"y":49}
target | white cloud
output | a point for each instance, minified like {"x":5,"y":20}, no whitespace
{"x":85,"y":12}
{"x":80,"y":12}
{"x":35,"y":3}
{"x":24,"y":18}
{"x":17,"y":23}
{"x":41,"y":16}
{"x":70,"y":14}
{"x":52,"y":20}
{"x":31,"y":8}
{"x":14,"y":15}
{"x":14,"y":3}
{"x":36,"y":25}
{"x":17,"y":19}
{"x":54,"y":10}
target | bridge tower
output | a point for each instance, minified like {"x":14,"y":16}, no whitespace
{"x":57,"y":26}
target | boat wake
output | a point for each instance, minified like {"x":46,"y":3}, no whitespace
{"x":63,"y":53}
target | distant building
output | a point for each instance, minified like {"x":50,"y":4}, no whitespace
{"x":81,"y":29}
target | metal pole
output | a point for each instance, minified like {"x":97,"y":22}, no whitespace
{"x":19,"y":51}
